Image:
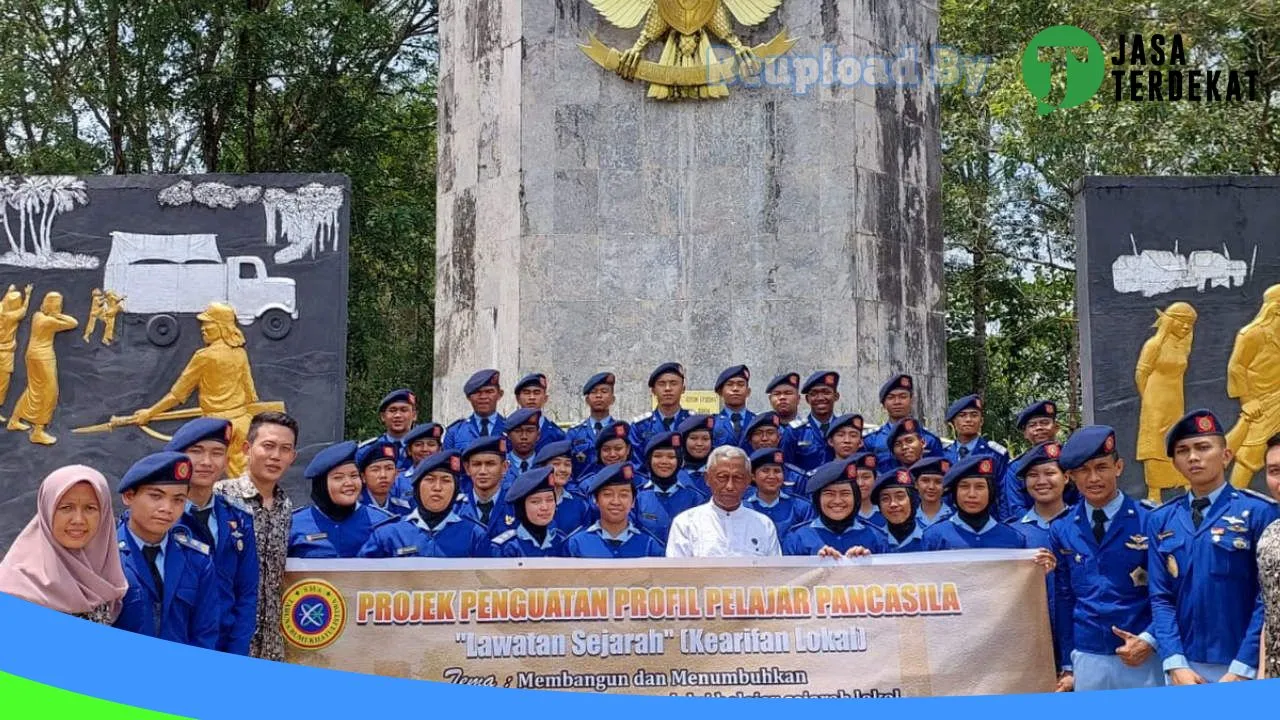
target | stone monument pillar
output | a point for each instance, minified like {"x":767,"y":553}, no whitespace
{"x":583,"y":226}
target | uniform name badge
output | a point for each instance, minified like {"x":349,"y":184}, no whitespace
{"x":1172,"y":565}
{"x":317,"y":536}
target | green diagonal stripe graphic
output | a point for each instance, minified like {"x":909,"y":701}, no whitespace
{"x":26,"y":699}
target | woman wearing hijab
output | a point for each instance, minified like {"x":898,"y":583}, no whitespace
{"x":337,"y":524}
{"x":572,"y":510}
{"x":666,"y":490}
{"x":66,"y":558}
{"x":533,"y":500}
{"x":695,"y":437}
{"x":435,"y":528}
{"x":896,"y":496}
{"x":837,"y":531}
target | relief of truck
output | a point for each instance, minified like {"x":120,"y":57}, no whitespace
{"x":1154,"y":272}
{"x":165,"y":275}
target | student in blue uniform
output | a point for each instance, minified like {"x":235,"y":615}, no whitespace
{"x":173,"y":593}
{"x":906,"y":443}
{"x":376,"y":462}
{"x":695,"y":438}
{"x":806,"y":446}
{"x":769,"y":496}
{"x":897,"y":395}
{"x":665,"y":490}
{"x":422,"y":440}
{"x":485,"y":463}
{"x":598,"y":393}
{"x":1041,"y":474}
{"x":896,"y":497}
{"x":1038,"y":423}
{"x":398,"y":411}
{"x":613,"y":535}
{"x":836,"y":531}
{"x":524,"y":430}
{"x":784,"y":399}
{"x":435,"y":528}
{"x":1206,"y":604}
{"x":971,"y":484}
{"x":965,"y":416}
{"x":336,"y":524}
{"x":864,"y":464}
{"x":734,"y":387}
{"x":928,"y":473}
{"x":531,"y":392}
{"x":1102,"y":627}
{"x":572,"y":510}
{"x":844,"y":436}
{"x":483,"y":390}
{"x":666,"y":382}
{"x":533,"y":500}
{"x":226,"y":527}
{"x":765,"y":432}
{"x":612,"y":446}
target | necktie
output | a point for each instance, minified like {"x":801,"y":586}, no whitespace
{"x":666,"y":423}
{"x":1099,"y":524}
{"x":964,"y":453}
{"x":1197,"y":510}
{"x":524,"y":466}
{"x":485,"y":508}
{"x":202,"y":524}
{"x":737,"y":423}
{"x":152,"y":553}
{"x":599,"y":426}
{"x":484,"y":427}
{"x":824,"y":428}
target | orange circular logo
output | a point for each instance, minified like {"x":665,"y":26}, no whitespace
{"x":388,"y":451}
{"x":856,"y":422}
{"x":978,"y":403}
{"x":831,"y":379}
{"x":984,"y":466}
{"x":746,"y":374}
{"x":226,"y":433}
{"x":609,"y":378}
{"x":904,"y":477}
{"x":774,"y":419}
{"x":1109,"y":444}
{"x":182,"y":470}
{"x":455,"y":464}
{"x":909,"y":425}
{"x":675,"y":441}
{"x":946,"y":466}
{"x":626,"y":472}
{"x":1052,"y":450}
{"x":1204,"y":423}
{"x":619,"y":431}
{"x":906,"y":381}
{"x":869,"y":461}
{"x":851,"y":471}
{"x":1048,"y":407}
{"x":412,"y":399}
{"x":794,"y":379}
{"x":777,"y":458}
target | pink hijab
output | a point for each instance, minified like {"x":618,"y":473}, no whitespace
{"x":41,"y":571}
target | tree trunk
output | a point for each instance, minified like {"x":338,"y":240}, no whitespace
{"x":114,"y":81}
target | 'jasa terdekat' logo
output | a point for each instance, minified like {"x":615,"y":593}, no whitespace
{"x":1152,"y":69}
{"x":313,"y":614}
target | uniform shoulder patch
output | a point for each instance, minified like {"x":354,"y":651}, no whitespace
{"x":797,"y":423}
{"x":503,"y":537}
{"x":997,"y":447}
{"x":186,"y":541}
{"x":1260,"y":496}
{"x":868,"y":430}
{"x":640,"y":418}
{"x":238,"y":503}
{"x":1147,"y":504}
{"x":400,"y":502}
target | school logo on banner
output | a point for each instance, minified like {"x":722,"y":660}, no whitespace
{"x":313,"y":615}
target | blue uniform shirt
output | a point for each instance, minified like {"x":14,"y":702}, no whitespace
{"x":517,"y":542}
{"x":548,"y":432}
{"x":808,"y":538}
{"x":1036,"y":531}
{"x":572,"y":512}
{"x":1206,"y":605}
{"x":944,"y":512}
{"x":911,"y":543}
{"x":954,"y":534}
{"x":804,"y":443}
{"x":188,"y":611}
{"x":456,"y":536}
{"x":655,"y":508}
{"x":234,"y":551}
{"x":312,"y":534}
{"x":786,"y":511}
{"x":462,"y":432}
{"x":594,"y":541}
{"x":722,"y":432}
{"x":876,"y":441}
{"x":875,"y":519}
{"x":646,"y":426}
{"x":1100,"y":585}
{"x":957,"y":451}
{"x":583,"y":439}
{"x":399,"y":503}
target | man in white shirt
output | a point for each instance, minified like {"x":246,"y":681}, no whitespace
{"x":724,"y":527}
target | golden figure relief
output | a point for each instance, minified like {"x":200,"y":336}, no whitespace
{"x":37,"y":402}
{"x":113,"y":306}
{"x":97,"y":304}
{"x":12,"y":311}
{"x":688,"y":67}
{"x":220,"y":374}
{"x":1253,"y":377}
{"x":1159,"y":374}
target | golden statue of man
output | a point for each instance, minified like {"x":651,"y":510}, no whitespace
{"x":1253,"y":377}
{"x":41,"y":396}
{"x":113,"y":304}
{"x":12,"y":310}
{"x":1159,"y":375}
{"x":221,"y":375}
{"x":96,"y":305}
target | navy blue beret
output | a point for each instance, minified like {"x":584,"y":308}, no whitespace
{"x":1046,"y":452}
{"x":616,"y":474}
{"x":495,"y":444}
{"x":162,"y":468}
{"x":1194,"y":424}
{"x":852,"y":420}
{"x":1039,"y":408}
{"x":523,"y":416}
{"x":976,"y":465}
{"x":901,"y":381}
{"x":766,"y":456}
{"x":836,"y":471}
{"x":828,"y":378}
{"x":481,"y":379}
{"x":370,"y":453}
{"x":601,"y":378}
{"x":663,"y":369}
{"x":1085,"y":444}
{"x":964,"y":403}
{"x":527,"y":484}
{"x":792,"y":379}
{"x":329,"y":458}
{"x":614,"y":430}
{"x":404,"y":395}
{"x":662,"y":440}
{"x":864,"y":459}
{"x":537,"y":379}
{"x":425,"y":430}
{"x":766,"y":418}
{"x":552,"y":450}
{"x":932,"y":465}
{"x":899,"y":478}
{"x":905,"y":426}
{"x":695,"y":422}
{"x":199,"y":430}
{"x":444,"y":461}
{"x":730,"y":373}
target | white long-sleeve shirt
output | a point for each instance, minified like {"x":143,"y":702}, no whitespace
{"x":709,"y":531}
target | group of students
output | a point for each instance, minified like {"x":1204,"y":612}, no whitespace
{"x":1137,"y":595}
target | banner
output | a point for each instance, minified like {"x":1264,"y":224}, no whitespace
{"x":940,"y":623}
